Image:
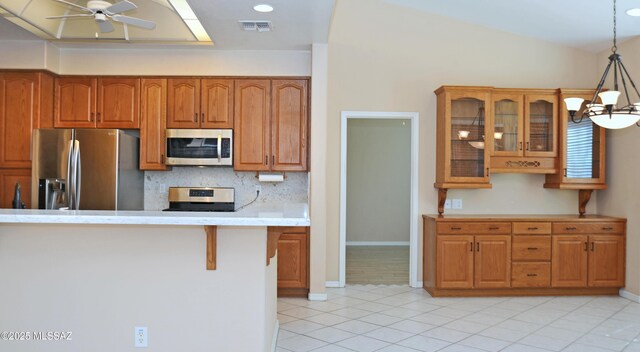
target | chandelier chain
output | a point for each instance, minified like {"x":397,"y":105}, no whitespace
{"x":615,"y":41}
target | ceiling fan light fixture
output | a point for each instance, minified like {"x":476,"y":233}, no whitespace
{"x":610,"y":114}
{"x":263,"y":8}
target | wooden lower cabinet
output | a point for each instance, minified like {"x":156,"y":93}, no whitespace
{"x":557,"y":255}
{"x":8,"y":180}
{"x":293,"y":261}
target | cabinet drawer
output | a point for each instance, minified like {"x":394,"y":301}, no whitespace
{"x":530,"y":248}
{"x":532,"y":228}
{"x":474,"y":228}
{"x":530,"y":274}
{"x":589,"y":228}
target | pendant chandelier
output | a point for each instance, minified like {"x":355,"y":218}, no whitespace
{"x":478,"y":143}
{"x":607,"y":114}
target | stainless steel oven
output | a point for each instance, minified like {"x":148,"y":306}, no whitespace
{"x":199,"y":147}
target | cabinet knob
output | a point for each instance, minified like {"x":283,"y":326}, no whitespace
{"x":520,"y":145}
{"x":586,"y":248}
{"x":477,"y":246}
{"x":528,"y":146}
{"x":266,"y":160}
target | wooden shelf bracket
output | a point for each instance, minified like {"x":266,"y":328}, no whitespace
{"x":583,"y":199}
{"x":212,"y":236}
{"x":273,"y":235}
{"x":442,"y":197}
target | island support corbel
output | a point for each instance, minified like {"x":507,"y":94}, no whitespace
{"x":583,"y":199}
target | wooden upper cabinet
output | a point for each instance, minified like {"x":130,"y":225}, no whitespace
{"x":606,"y":260}
{"x":454,"y":263}
{"x":216,"y":103}
{"x":153,"y":119}
{"x":492,"y":261}
{"x":118,"y":103}
{"x":8,"y":180}
{"x":462,"y":146}
{"x":581,"y":149}
{"x":251,"y":125}
{"x":183,"y":103}
{"x":75,"y":102}
{"x":569,"y":260}
{"x":19,"y":111}
{"x":508,"y":124}
{"x":289,"y":125}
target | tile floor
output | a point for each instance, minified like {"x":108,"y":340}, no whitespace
{"x":403,"y":319}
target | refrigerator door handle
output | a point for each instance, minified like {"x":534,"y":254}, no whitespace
{"x":70,"y":177}
{"x":78,"y":173}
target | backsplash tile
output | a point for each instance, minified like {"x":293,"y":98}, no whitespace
{"x":294,"y":189}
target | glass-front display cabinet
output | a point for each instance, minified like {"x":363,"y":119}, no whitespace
{"x":582,"y":149}
{"x":462,"y":139}
{"x":524,"y":131}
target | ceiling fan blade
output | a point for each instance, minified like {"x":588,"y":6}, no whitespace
{"x":134,"y":21}
{"x":105,"y":26}
{"x":69,"y":16}
{"x":121,"y":6}
{"x":74,"y":5}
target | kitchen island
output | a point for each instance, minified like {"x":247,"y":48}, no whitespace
{"x":100,"y":274}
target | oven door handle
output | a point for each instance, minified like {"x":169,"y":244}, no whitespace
{"x":219,"y":148}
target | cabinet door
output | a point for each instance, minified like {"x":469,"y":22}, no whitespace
{"x":569,"y":261}
{"x":8,"y":180}
{"x":216,"y":103}
{"x":492,"y":261}
{"x":606,"y":260}
{"x":454,"y":261}
{"x":153,"y":124}
{"x":75,"y":102}
{"x":289,"y":125}
{"x":293,"y":260}
{"x":508,"y":131}
{"x":251,"y":125}
{"x":183,"y":103}
{"x":19,"y":104}
{"x":467,"y":157}
{"x":118,"y":103}
{"x":541,"y":125}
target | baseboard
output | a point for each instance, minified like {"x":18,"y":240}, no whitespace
{"x":276,"y":331}
{"x":418,"y":284}
{"x":332,"y":284}
{"x":317,"y":296}
{"x":378,"y":243}
{"x":628,"y":295}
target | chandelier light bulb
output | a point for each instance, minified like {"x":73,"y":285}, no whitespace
{"x":609,"y":97}
{"x":463,"y":134}
{"x":497,"y":135}
{"x":573,"y":104}
{"x":615,"y":121}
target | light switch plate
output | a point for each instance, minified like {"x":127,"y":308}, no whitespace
{"x":456,"y":204}
{"x":447,"y":204}
{"x":141,"y":336}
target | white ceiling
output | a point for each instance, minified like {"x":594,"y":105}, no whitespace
{"x":296,"y":23}
{"x":584,"y":24}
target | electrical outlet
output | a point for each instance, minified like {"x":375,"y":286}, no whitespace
{"x":141,"y":336}
{"x":447,"y":204}
{"x":456,"y":204}
{"x":258,"y":188}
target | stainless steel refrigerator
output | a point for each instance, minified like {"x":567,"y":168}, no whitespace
{"x":86,"y":169}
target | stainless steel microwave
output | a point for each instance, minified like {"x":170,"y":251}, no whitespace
{"x":199,"y":147}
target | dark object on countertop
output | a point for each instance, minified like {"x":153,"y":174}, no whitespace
{"x":17,"y":201}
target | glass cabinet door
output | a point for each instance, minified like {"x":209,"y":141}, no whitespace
{"x":507,"y":124}
{"x":467,"y":138}
{"x":583,"y":148}
{"x":541,"y":116}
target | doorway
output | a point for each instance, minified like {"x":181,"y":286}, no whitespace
{"x":378,"y":198}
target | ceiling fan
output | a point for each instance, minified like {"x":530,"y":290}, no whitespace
{"x":102,"y":11}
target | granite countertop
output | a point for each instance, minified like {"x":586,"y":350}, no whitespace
{"x":268,"y":214}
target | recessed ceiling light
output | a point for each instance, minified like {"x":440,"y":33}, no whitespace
{"x":263,"y":8}
{"x":634,"y":12}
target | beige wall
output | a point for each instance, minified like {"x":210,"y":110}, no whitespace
{"x":100,"y":282}
{"x":622,"y":198}
{"x":384,"y":57}
{"x":378,"y":180}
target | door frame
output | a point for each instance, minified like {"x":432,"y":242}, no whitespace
{"x":413,"y":220}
